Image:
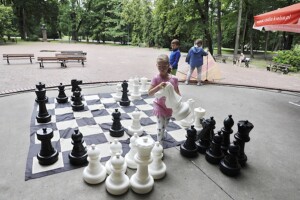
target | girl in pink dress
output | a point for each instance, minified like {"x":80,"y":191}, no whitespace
{"x":160,"y":110}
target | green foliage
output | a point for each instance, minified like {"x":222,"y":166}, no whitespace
{"x":7,"y":26}
{"x":291,"y":57}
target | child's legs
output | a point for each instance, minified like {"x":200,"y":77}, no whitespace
{"x":191,"y":69}
{"x":162,"y":123}
{"x":173,"y":72}
{"x":199,"y":71}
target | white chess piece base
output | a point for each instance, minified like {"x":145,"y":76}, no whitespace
{"x":115,"y":188}
{"x":130,"y":162}
{"x":94,"y":177}
{"x":141,"y":188}
{"x":158,"y":173}
{"x":131,"y":131}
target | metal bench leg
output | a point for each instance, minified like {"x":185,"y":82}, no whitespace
{"x":7,"y":59}
{"x":30,"y":60}
{"x":82,"y":62}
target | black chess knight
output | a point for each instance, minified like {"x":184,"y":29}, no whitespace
{"x":116,"y":129}
{"x":47,"y":155}
{"x":43,"y":115}
{"x":226,"y":131}
{"x":204,"y":136}
{"x":78,"y":155}
{"x":241,"y":137}
{"x":124,"y":100}
{"x":62,"y":97}
{"x":189,"y":148}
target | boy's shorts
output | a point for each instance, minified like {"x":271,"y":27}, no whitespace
{"x":173,"y":72}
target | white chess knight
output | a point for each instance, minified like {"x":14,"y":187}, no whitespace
{"x":117,"y":182}
{"x":142,"y":182}
{"x":136,"y":125}
{"x":135,"y":94}
{"x":199,"y":114}
{"x":174,"y":101}
{"x":157,"y":168}
{"x":115,"y":147}
{"x":129,"y":157}
{"x":118,"y":95}
{"x":95,"y":172}
{"x":189,"y":120}
{"x":144,"y":88}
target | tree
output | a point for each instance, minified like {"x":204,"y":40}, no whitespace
{"x":6,"y":21}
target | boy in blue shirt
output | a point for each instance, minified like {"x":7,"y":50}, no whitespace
{"x":174,"y":56}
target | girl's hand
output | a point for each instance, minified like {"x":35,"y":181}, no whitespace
{"x":162,"y":85}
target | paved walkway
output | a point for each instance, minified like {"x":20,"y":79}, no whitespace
{"x":107,"y":63}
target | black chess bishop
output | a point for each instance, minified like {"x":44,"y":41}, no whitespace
{"x":226,"y":131}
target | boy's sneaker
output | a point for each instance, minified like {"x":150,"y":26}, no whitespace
{"x":199,"y":84}
{"x":186,"y":82}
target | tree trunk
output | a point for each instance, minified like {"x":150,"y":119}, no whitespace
{"x":219,"y":27}
{"x":266,"y":44}
{"x":236,"y":46}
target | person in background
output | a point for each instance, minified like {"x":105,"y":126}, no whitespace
{"x":174,"y":56}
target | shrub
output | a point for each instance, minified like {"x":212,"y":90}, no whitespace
{"x":291,"y":57}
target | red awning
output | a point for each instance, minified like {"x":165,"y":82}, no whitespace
{"x":282,"y":19}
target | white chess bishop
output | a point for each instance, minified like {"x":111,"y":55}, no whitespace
{"x":115,"y":147}
{"x":117,"y":182}
{"x":95,"y":172}
{"x":157,"y":168}
{"x":174,"y":101}
{"x":129,"y":157}
{"x":136,"y":125}
{"x":189,"y":120}
{"x":144,"y":88}
{"x":142,"y":182}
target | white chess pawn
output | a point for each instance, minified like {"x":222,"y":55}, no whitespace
{"x":157,"y":168}
{"x":95,"y":172}
{"x":115,"y":147}
{"x":129,"y":157}
{"x":136,"y":125}
{"x":189,"y":120}
{"x":199,"y":114}
{"x":118,"y":95}
{"x":135,"y":94}
{"x":143,"y":88}
{"x":117,"y":182}
{"x":142,"y":182}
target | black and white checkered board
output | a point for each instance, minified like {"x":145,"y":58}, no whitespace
{"x":94,"y":123}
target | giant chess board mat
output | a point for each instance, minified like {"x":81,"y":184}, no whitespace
{"x":94,"y":123}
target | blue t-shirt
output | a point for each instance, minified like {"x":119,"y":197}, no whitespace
{"x":174,"y":58}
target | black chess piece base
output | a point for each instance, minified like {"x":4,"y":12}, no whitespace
{"x":187,"y":152}
{"x":48,"y":160}
{"x":124,"y":103}
{"x":229,"y":171}
{"x":202,"y":146}
{"x":242,"y":160}
{"x":77,"y":107}
{"x":116,"y":133}
{"x":213,"y":159}
{"x":62,"y":100}
{"x":44,"y":119}
{"x":82,"y":160}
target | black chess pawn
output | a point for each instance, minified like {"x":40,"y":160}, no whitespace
{"x":78,"y":155}
{"x":211,"y":133}
{"x":48,"y":155}
{"x":214,"y":154}
{"x":124,"y":100}
{"x":226,"y":131}
{"x":62,"y":97}
{"x":77,"y":105}
{"x":116,"y":129}
{"x":230,"y":165}
{"x":204,"y":136}
{"x":189,"y":148}
{"x":43,"y":115}
{"x":241,"y":137}
{"x":75,"y":86}
{"x":41,"y":86}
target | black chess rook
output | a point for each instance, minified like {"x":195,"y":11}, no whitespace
{"x":214,"y":154}
{"x":43,"y":115}
{"x":62,"y":97}
{"x":189,"y":148}
{"x":124,"y":100}
{"x":226,"y":131}
{"x":77,"y":105}
{"x":78,"y":155}
{"x":230,"y":165}
{"x":241,"y":137}
{"x":116,"y":129}
{"x":47,"y":155}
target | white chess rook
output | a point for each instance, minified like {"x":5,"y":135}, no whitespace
{"x":142,"y":182}
{"x":117,"y":182}
{"x":189,"y":120}
{"x":157,"y":168}
{"x":136,"y":125}
{"x":143,"y":88}
{"x":180,"y":109}
{"x":115,"y":147}
{"x":129,"y":157}
{"x":95,"y":172}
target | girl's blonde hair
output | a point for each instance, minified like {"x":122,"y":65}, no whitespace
{"x":163,"y":58}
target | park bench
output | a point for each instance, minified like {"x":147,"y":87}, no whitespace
{"x":17,"y":56}
{"x":62,"y":59}
{"x":273,"y":66}
{"x":73,"y":52}
{"x":220,"y":58}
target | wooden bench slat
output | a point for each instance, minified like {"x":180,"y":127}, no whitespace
{"x":17,"y":56}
